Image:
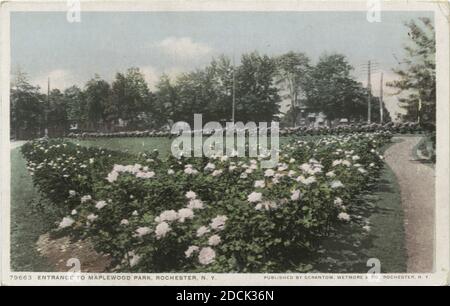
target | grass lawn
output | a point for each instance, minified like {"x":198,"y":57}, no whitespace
{"x":130,"y":144}
{"x":341,"y":252}
{"x":386,"y":221}
{"x":28,"y":222}
{"x":139,"y":144}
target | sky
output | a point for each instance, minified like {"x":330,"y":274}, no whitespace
{"x":45,"y":44}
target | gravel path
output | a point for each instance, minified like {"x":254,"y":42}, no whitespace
{"x":416,"y":182}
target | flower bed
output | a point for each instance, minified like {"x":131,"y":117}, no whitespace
{"x":222,"y":214}
{"x":395,"y":128}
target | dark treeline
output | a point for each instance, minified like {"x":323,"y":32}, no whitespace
{"x":259,"y":84}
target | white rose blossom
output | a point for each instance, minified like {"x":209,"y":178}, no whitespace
{"x":92,"y":217}
{"x":216,"y":173}
{"x":338,"y":201}
{"x":344,"y":216}
{"x":218,"y":223}
{"x":66,"y":222}
{"x":214,"y":240}
{"x":206,"y":256}
{"x":133,"y":258}
{"x":145,"y":175}
{"x":260,"y":184}
{"x":191,"y":249}
{"x":195,"y":204}
{"x":269,"y":173}
{"x":330,"y":174}
{"x":210,"y":166}
{"x":267,"y":205}
{"x":142,"y":231}
{"x":168,"y":215}
{"x":112,"y":176}
{"x":191,"y":195}
{"x":336,"y":184}
{"x":185,"y":213}
{"x":162,"y":229}
{"x":254,"y":197}
{"x":295,"y":195}
{"x":100,"y":204}
{"x":202,"y":231}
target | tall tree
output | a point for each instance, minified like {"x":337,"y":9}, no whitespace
{"x":167,"y":101}
{"x":331,"y":89}
{"x":257,"y":96}
{"x":292,"y":74}
{"x":221,"y":73}
{"x":57,"y":114}
{"x":98,"y":100}
{"x":417,"y":78}
{"x":75,"y":105}
{"x":130,"y":96}
{"x":27,"y":108}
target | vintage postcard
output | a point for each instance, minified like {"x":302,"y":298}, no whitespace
{"x":215,"y":143}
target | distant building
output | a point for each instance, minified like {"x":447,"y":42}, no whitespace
{"x":310,"y":117}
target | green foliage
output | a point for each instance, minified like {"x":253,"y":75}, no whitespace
{"x":257,"y":97}
{"x":130,"y":96}
{"x":27,"y":111}
{"x":331,"y":89}
{"x":121,"y":201}
{"x":292,"y":75}
{"x":76,"y":106}
{"x":98,"y":100}
{"x":417,"y":77}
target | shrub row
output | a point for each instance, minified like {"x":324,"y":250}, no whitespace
{"x":395,"y":128}
{"x":219,"y":214}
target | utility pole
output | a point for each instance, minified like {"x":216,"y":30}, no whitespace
{"x":47,"y":109}
{"x":234,"y":92}
{"x":369,"y":88}
{"x":419,"y":109}
{"x":381,"y":99}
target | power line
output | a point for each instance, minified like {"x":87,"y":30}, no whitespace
{"x":370,"y":67}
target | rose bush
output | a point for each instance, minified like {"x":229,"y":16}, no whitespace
{"x":220,"y":214}
{"x":397,"y":128}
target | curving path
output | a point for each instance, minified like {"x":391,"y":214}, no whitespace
{"x":416,"y":182}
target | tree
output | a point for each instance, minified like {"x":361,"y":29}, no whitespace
{"x":417,"y":79}
{"x":167,"y":101}
{"x":207,"y":91}
{"x":257,"y":97}
{"x":292,"y":75}
{"x":221,"y":74}
{"x":27,"y":108}
{"x":75,"y":105}
{"x":194,"y":92}
{"x":330,"y":89}
{"x":98,"y":101}
{"x":57,"y":113}
{"x":130,"y":97}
